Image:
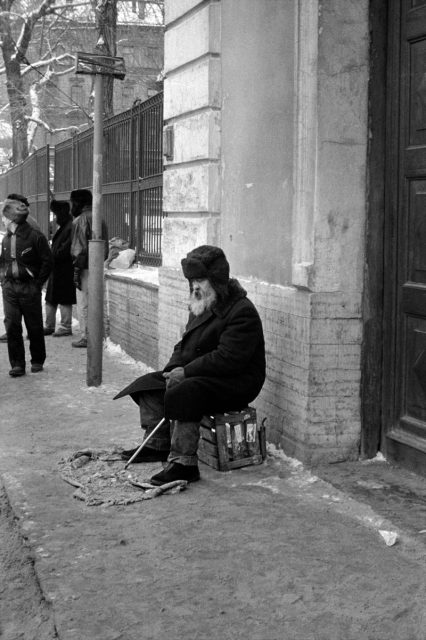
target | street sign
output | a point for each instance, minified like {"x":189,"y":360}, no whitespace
{"x":99,"y":64}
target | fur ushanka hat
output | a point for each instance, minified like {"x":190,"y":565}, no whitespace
{"x":82,"y":196}
{"x":208,"y":262}
{"x":60,"y":207}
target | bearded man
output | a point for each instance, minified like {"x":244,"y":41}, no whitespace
{"x":218,"y":366}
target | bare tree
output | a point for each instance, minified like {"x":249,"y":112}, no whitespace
{"x":16,"y":36}
{"x":33,"y":37}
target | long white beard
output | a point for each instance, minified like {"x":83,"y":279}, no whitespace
{"x":199,"y":305}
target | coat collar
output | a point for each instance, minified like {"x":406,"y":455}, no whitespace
{"x":195,"y":321}
{"x":235,"y":293}
{"x":22,"y":229}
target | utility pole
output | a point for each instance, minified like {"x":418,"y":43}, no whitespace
{"x":99,"y":66}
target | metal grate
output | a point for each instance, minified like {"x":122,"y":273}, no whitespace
{"x":132,"y":185}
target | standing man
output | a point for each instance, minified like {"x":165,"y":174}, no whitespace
{"x":26,"y":262}
{"x":31,"y":221}
{"x":81,"y":210}
{"x":60,"y":287}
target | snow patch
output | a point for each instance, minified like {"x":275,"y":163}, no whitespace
{"x":378,"y":458}
{"x":137,"y":272}
{"x":300,"y":476}
{"x":279,"y":453}
{"x":266,"y":484}
{"x":114,"y":350}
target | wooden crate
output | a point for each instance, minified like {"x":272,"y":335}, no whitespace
{"x":232,"y":440}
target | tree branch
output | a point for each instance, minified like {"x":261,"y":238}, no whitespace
{"x":45,"y":63}
{"x":42,"y":123}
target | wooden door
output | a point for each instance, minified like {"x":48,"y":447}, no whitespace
{"x":405,"y":220}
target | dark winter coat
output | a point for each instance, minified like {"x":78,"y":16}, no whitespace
{"x":223,"y":356}
{"x":60,"y":287}
{"x":33,"y":255}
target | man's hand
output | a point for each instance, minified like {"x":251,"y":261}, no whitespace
{"x":77,"y":279}
{"x":174,"y":376}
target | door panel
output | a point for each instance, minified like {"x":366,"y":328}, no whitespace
{"x":406,"y":431}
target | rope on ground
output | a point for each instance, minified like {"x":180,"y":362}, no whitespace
{"x":100,"y":479}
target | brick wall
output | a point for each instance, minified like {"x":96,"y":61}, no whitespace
{"x":173,"y":310}
{"x":132,"y":313}
{"x":313,"y":348}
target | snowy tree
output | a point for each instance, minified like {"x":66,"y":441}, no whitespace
{"x":33,"y":42}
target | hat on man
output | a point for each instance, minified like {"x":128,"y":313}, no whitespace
{"x":15,"y":210}
{"x":208,"y":262}
{"x":82,"y":197}
{"x":18,"y":196}
{"x":60,"y":207}
{"x":61,"y":210}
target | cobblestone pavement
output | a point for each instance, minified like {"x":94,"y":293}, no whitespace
{"x":262,"y":553}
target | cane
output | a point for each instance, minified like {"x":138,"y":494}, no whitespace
{"x":144,"y":442}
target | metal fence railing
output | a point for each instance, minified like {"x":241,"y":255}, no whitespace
{"x":132,"y":186}
{"x":31,"y":178}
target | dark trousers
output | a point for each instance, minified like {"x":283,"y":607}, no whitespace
{"x":179,"y":438}
{"x":23,"y":300}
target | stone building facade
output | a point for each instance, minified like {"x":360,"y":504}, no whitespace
{"x":294,"y":139}
{"x":269,"y":161}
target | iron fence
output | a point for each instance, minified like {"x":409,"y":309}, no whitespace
{"x":32,"y":178}
{"x":132,"y":185}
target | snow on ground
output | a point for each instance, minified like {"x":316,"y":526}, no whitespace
{"x":114,"y":350}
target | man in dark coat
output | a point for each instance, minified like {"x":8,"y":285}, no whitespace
{"x":218,"y":366}
{"x":60,"y":287}
{"x":31,"y":221}
{"x":26,"y":262}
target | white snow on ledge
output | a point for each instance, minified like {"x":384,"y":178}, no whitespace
{"x":113,"y":349}
{"x":136,"y":272}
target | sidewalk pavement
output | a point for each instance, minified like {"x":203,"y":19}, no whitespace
{"x":261,"y":553}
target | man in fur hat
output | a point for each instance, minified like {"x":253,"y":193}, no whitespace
{"x":81,"y":210}
{"x":26,"y":262}
{"x":218,"y":366}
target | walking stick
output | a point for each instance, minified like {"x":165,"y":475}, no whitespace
{"x":144,"y":442}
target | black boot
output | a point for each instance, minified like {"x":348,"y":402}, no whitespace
{"x":176,"y":471}
{"x":145,"y":455}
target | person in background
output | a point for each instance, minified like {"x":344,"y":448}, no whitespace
{"x":31,"y":221}
{"x":60,"y":288}
{"x":26,"y":261}
{"x":81,"y":210}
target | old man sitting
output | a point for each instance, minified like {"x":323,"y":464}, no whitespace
{"x":218,"y":366}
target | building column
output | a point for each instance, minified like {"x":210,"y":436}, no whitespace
{"x":192,"y":119}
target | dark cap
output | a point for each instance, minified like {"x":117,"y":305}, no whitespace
{"x":60,"y":206}
{"x":207,"y":262}
{"x":82,"y":196}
